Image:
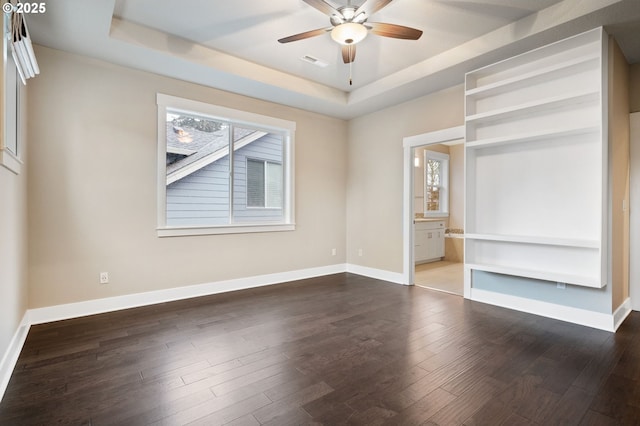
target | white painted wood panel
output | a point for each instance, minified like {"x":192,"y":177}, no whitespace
{"x":634,"y":228}
{"x":536,"y":162}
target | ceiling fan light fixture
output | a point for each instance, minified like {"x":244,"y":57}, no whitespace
{"x":349,"y":33}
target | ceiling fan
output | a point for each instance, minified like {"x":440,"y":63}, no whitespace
{"x":350,"y":25}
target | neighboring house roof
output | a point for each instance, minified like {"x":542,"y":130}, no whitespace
{"x":202,"y":148}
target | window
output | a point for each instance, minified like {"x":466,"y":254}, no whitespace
{"x":10,"y":150}
{"x":222,"y":170}
{"x":436,"y":184}
{"x":264,"y":184}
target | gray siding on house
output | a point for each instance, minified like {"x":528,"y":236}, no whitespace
{"x":202,"y":198}
{"x":268,"y":148}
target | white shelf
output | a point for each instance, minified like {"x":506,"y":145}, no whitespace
{"x":575,"y":46}
{"x":573,"y":98}
{"x":547,"y":241}
{"x":507,"y":84}
{"x":531,"y":136}
{"x":539,"y":275}
{"x":542,"y":173}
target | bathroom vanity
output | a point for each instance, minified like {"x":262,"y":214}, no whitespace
{"x":429,"y":240}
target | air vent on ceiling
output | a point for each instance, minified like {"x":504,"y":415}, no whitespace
{"x":315,"y":61}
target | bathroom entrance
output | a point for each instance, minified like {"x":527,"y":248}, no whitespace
{"x":436,"y":205}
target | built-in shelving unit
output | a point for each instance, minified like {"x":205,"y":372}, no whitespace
{"x":536,"y":164}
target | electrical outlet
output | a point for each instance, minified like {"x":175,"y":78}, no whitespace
{"x":334,"y":252}
{"x":562,"y":286}
{"x":104,"y":277}
{"x":359,"y":252}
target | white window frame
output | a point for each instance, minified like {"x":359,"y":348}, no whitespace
{"x":241,"y":118}
{"x":444,"y":184}
{"x":10,"y":154}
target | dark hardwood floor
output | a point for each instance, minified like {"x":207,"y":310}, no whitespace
{"x":342,"y":349}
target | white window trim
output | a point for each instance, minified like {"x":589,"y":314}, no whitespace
{"x":165,"y":102}
{"x":444,"y":201}
{"x":10,"y":160}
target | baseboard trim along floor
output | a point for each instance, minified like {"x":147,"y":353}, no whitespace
{"x":608,"y":322}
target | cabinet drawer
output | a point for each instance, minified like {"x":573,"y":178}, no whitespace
{"x":436,"y":224}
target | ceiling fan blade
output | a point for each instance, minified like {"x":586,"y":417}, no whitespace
{"x":372,"y":6}
{"x":306,"y":34}
{"x":394,"y":31}
{"x":323,"y":7}
{"x":349,"y":53}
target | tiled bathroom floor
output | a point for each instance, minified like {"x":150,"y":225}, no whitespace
{"x":443,"y":276}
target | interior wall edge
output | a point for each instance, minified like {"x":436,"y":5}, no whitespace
{"x":10,"y":357}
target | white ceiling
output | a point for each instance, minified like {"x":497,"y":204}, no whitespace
{"x":232,"y":45}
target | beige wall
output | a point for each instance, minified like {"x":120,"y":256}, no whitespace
{"x":13,"y":279}
{"x":92,"y":188}
{"x":634,"y":87}
{"x":375,"y":174}
{"x":619,"y":152}
{"x":92,"y":185}
{"x":13,"y":251}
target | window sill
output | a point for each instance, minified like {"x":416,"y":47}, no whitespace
{"x":221,"y":230}
{"x":10,"y":161}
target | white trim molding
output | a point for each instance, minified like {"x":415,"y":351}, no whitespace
{"x":378,"y":274}
{"x":10,"y":161}
{"x":111,"y":304}
{"x":409,"y":144}
{"x":634,"y":207}
{"x":599,"y":320}
{"x":10,"y":358}
{"x":621,"y":314}
{"x":117,"y":303}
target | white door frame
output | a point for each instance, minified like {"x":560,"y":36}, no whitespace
{"x":634,"y":212}
{"x":410,"y":143}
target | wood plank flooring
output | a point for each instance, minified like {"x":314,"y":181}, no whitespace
{"x":337,"y":350}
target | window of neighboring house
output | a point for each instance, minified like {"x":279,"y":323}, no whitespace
{"x":436,"y":184}
{"x":222,"y":170}
{"x":264,"y":184}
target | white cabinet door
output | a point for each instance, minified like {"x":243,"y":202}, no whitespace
{"x":421,"y":247}
{"x":429,"y":241}
{"x":439,"y":243}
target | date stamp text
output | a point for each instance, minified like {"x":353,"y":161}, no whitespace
{"x":30,"y":8}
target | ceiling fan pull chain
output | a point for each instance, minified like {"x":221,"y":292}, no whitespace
{"x":350,"y":68}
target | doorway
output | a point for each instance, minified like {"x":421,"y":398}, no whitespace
{"x":434,"y":210}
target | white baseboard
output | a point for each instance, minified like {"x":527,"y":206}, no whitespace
{"x":621,"y":313}
{"x":117,"y":303}
{"x":12,"y":353}
{"x":551,"y":310}
{"x":379,"y":274}
{"x":110,"y":304}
